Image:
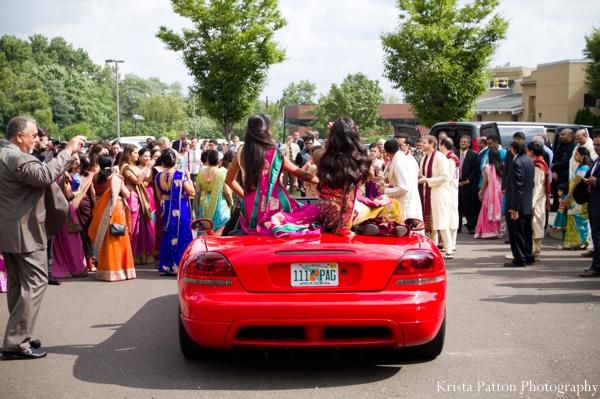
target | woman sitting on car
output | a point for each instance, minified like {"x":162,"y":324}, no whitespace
{"x":213,"y":198}
{"x":267,"y":207}
{"x":342,"y":168}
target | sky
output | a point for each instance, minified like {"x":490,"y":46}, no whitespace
{"x":325,"y":40}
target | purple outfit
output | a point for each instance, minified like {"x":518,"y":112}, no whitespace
{"x":3,"y":277}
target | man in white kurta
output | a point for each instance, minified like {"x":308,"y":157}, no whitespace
{"x":583,"y":140}
{"x":435,"y":177}
{"x":401,"y":181}
{"x":446,"y":148}
{"x":539,"y":197}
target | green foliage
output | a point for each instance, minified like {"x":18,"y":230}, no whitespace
{"x":592,"y":51}
{"x":358,"y":97}
{"x":439,"y":55}
{"x":228,"y":52}
{"x":66,"y":93}
{"x":585,"y":117}
{"x":53,"y":83}
{"x":301,"y":93}
{"x":164,"y":108}
{"x":134,"y":89}
{"x":77,"y":129}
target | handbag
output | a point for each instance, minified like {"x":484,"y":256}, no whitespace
{"x":117,"y":229}
{"x":581,"y":194}
{"x":57,"y":208}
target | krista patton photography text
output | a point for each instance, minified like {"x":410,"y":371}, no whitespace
{"x":584,"y":389}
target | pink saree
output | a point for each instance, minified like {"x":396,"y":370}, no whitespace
{"x":490,"y":217}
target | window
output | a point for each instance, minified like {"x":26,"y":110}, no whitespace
{"x":514,"y":118}
{"x":479,"y":118}
{"x":589,"y":101}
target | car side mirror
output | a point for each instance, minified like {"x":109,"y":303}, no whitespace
{"x":415,"y":224}
{"x":202,"y":225}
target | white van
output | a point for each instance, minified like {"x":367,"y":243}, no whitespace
{"x":138,"y":141}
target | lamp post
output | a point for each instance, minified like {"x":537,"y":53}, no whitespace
{"x":117,"y":83}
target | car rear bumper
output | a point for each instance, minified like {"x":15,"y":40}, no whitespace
{"x":338,"y":320}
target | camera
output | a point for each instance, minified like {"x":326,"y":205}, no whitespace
{"x":53,"y":141}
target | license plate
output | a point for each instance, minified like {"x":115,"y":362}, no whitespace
{"x":314,"y":274}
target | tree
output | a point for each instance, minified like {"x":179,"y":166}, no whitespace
{"x":164,"y":108}
{"x":357,"y":96}
{"x":301,"y":93}
{"x":54,"y":83}
{"x":592,"y":51}
{"x":439,"y":56}
{"x":585,"y":117}
{"x":228,"y":52}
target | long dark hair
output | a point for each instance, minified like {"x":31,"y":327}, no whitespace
{"x":345,"y":160}
{"x":84,"y":165}
{"x":585,"y":153}
{"x":125,"y":154}
{"x":256,"y":142}
{"x":494,"y":159}
{"x":105,"y":163}
{"x":95,"y":152}
{"x":227,"y":159}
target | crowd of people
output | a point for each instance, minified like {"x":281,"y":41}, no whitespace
{"x":123,"y":206}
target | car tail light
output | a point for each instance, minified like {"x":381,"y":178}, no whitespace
{"x":418,"y":262}
{"x":198,"y":268}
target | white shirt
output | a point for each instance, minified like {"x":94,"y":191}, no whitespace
{"x":403,"y":175}
{"x":192,"y":162}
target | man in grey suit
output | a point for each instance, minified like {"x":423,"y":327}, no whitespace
{"x":24,"y":214}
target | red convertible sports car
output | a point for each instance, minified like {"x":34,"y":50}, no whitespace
{"x":249,"y":291}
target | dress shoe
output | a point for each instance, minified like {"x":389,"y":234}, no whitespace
{"x":590,"y":273}
{"x":399,"y":231}
{"x":471,"y":231}
{"x":530,"y":261}
{"x":507,"y":241}
{"x":30,"y":353}
{"x":510,"y":264}
{"x":35,"y":343}
{"x":588,"y":254}
{"x":368,"y":230}
{"x":53,"y":281}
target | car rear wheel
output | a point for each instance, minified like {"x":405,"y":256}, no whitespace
{"x":189,"y":348}
{"x":430,"y":350}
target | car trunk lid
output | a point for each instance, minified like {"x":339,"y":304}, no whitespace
{"x":329,"y":263}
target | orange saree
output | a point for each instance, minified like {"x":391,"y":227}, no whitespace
{"x":114,"y":255}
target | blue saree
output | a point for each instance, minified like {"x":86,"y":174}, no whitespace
{"x":176,"y":219}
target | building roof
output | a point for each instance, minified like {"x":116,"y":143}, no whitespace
{"x":512,"y":103}
{"x":579,"y":61}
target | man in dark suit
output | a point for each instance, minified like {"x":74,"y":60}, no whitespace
{"x":297,"y":140}
{"x":177,"y":143}
{"x":27,"y":224}
{"x":519,"y":192}
{"x":468,"y":182}
{"x":592,"y":179}
{"x":520,"y":137}
{"x":560,"y":163}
